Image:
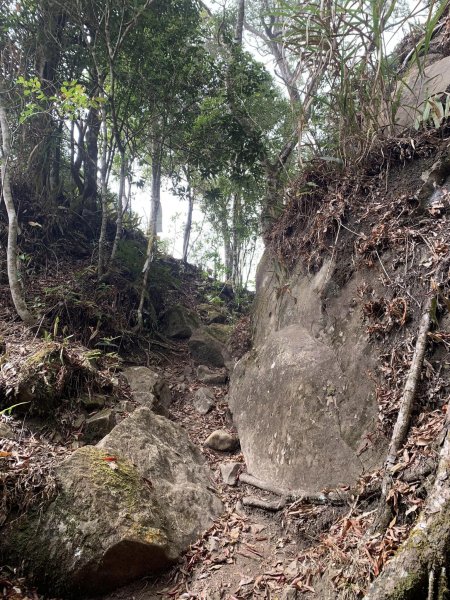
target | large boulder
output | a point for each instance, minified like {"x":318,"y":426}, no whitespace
{"x":126,"y":508}
{"x":302,"y":400}
{"x":178,"y":322}
{"x":207,"y":349}
{"x":149,"y":388}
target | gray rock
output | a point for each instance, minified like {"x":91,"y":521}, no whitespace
{"x":93,"y":402}
{"x":99,"y":425}
{"x":6,"y":432}
{"x":212,"y":314}
{"x":203,"y":400}
{"x":207,"y":350}
{"x":79,"y":421}
{"x":207,"y":375}
{"x":230,"y":472}
{"x":126,"y":406}
{"x":149,"y":388}
{"x":178,"y":322}
{"x":126,"y":509}
{"x":222,"y":440}
{"x":289,"y":593}
{"x":301,"y":401}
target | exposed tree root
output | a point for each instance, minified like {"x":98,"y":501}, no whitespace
{"x":401,"y":427}
{"x":270,"y":505}
{"x":412,"y":573}
{"x":298,"y":497}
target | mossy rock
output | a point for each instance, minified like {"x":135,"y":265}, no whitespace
{"x":219,"y":331}
{"x":212,"y":314}
{"x":178,"y":322}
{"x":124,"y":509}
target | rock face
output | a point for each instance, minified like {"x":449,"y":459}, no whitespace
{"x":178,"y":322}
{"x":433,"y":80}
{"x":149,"y":388}
{"x":302,"y":399}
{"x":125,"y":509}
{"x":207,"y":349}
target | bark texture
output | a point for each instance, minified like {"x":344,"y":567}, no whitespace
{"x":11,"y":251}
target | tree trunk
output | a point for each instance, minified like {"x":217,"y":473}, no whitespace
{"x":155,"y":205}
{"x":91,"y":159}
{"x":236,"y":275}
{"x":120,"y":196}
{"x":55,"y":172}
{"x":226,"y":237}
{"x":11,"y":251}
{"x":188,"y":226}
{"x":238,"y":34}
{"x":103,"y":195}
{"x":76,"y":156}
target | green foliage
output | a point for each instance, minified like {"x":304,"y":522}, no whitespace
{"x":436,"y":109}
{"x":69,"y":103}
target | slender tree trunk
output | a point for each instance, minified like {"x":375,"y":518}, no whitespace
{"x":120,"y":196}
{"x":236,"y":275}
{"x":155,"y":206}
{"x":55,"y":172}
{"x":11,"y":251}
{"x":238,"y":34}
{"x":103,"y":195}
{"x":76,"y":156}
{"x":91,"y":159}
{"x":226,"y":237}
{"x":188,"y":226}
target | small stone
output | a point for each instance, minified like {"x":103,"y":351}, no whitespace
{"x":188,"y":370}
{"x":99,"y":425}
{"x":291,"y":571}
{"x":93,"y":402}
{"x":6,"y":432}
{"x":289,"y":593}
{"x":182,"y":387}
{"x":203,"y":400}
{"x":230,"y":472}
{"x":126,"y":406}
{"x":207,"y":375}
{"x":222,"y":440}
{"x":213,"y":544}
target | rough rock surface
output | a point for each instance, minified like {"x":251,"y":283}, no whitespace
{"x":6,"y":431}
{"x":230,"y":471}
{"x":125,"y":509}
{"x":302,"y":399}
{"x":207,"y":375}
{"x":99,"y":425}
{"x":212,"y":314}
{"x":203,"y":400}
{"x":178,"y":322}
{"x":222,"y":440}
{"x":149,"y":388}
{"x":207,"y":350}
{"x":420,"y":84}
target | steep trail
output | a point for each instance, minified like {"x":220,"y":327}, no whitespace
{"x":247,"y":553}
